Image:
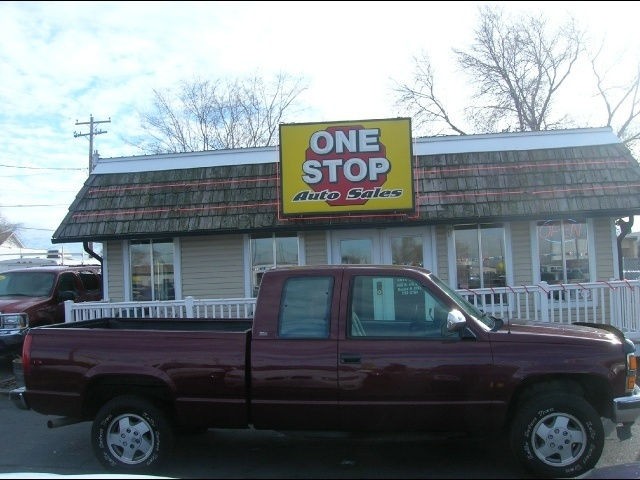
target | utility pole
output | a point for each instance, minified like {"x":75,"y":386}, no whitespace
{"x":91,"y":134}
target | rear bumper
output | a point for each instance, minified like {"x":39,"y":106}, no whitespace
{"x":18,"y":398}
{"x":627,"y":409}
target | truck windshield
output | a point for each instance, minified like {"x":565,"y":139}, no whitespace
{"x":27,"y":284}
{"x":464,"y":304}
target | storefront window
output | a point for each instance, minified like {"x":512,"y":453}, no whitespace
{"x":564,"y":251}
{"x":480,"y":258}
{"x":271,"y":250}
{"x":356,"y":251}
{"x":152,"y":270}
{"x":407,"y":250}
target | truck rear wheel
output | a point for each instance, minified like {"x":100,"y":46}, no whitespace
{"x":557,"y":435}
{"x":130,"y":434}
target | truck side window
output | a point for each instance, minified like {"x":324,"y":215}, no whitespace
{"x":393,"y":306}
{"x":90,"y":280}
{"x":305,"y":307}
{"x":67,"y":283}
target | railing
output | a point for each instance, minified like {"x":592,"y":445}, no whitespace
{"x":187,"y":308}
{"x":616,"y":303}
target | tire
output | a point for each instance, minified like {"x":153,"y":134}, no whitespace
{"x":131,"y":435}
{"x":557,"y":435}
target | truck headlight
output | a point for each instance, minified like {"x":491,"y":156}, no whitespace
{"x":13,"y":320}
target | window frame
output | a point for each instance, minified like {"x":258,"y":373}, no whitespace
{"x":128,"y":271}
{"x":254,"y":276}
{"x":507,"y":251}
{"x":591,"y":250}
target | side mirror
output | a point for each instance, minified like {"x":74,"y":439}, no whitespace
{"x":455,"y":321}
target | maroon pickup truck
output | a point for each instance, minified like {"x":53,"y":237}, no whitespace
{"x":35,"y":296}
{"x":344,"y":348}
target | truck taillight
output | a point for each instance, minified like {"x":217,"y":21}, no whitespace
{"x":632,"y":369}
{"x":26,"y":355}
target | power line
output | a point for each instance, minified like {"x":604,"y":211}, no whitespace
{"x":41,"y":168}
{"x":36,"y":205}
{"x":34,"y":228}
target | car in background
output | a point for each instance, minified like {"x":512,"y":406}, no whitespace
{"x":35,"y":296}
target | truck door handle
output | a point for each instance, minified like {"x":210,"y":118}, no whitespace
{"x":350,"y":358}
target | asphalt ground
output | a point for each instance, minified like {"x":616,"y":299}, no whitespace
{"x":7,"y":378}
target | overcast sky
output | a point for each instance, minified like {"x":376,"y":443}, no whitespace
{"x":60,"y":62}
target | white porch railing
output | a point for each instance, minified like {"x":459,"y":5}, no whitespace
{"x":616,"y":303}
{"x":187,"y":308}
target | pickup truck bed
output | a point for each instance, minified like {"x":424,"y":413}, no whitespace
{"x":205,"y":363}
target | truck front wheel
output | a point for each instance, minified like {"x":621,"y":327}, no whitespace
{"x":557,"y":435}
{"x":130,"y":434}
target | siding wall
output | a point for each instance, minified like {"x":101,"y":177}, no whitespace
{"x":605,"y":258}
{"x":443,"y":252}
{"x":315,"y":248}
{"x":115,"y":271}
{"x":213,"y":266}
{"x":521,"y":253}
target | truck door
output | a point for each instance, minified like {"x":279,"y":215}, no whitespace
{"x":294,"y":382}
{"x":398,"y":366}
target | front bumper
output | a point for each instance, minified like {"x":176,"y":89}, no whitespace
{"x":11,"y":342}
{"x":627,"y":409}
{"x":17,"y":397}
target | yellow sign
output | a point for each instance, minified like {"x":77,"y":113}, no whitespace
{"x":342,"y":167}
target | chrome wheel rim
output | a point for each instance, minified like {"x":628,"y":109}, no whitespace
{"x":130,"y":438}
{"x":559,"y":439}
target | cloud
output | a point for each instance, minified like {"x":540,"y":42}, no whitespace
{"x":63,"y":61}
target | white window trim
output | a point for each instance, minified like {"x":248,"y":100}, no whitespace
{"x":535,"y":250}
{"x":246,"y":259}
{"x":451,"y":250}
{"x":591,"y":243}
{"x":177,"y":269}
{"x":126,"y":270}
{"x":426,"y":233}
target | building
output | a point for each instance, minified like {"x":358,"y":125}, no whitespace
{"x":486,"y":211}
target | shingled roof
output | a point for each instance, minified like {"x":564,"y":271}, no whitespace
{"x":469,"y":179}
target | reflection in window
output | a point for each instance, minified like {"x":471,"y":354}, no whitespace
{"x":356,"y":251}
{"x":305,"y":307}
{"x":271,"y":250}
{"x":480,"y":259}
{"x":389,"y":307}
{"x":407,"y":251}
{"x":564,"y":252}
{"x":28,"y":284}
{"x":152,"y":270}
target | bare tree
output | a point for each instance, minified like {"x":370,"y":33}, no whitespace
{"x":516,"y":68}
{"x":215,"y":114}
{"x":6,"y":226}
{"x":420,"y":100}
{"x":622,"y":101}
